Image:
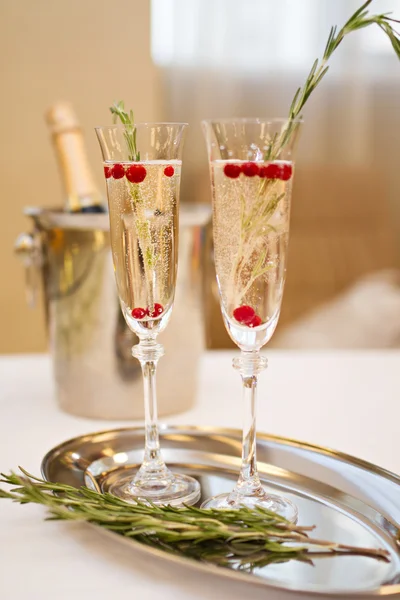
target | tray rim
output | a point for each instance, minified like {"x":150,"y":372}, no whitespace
{"x":165,"y":429}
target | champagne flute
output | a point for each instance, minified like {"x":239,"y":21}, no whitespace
{"x":142,"y":166}
{"x":251,"y":169}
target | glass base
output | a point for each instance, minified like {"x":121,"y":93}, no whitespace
{"x":175,"y":491}
{"x":278,"y":504}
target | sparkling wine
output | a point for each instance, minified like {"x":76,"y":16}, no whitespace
{"x":251,"y":232}
{"x":144,"y":239}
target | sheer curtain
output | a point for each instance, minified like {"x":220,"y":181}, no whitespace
{"x":257,"y":35}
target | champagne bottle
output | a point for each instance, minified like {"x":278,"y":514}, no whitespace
{"x":81,"y":191}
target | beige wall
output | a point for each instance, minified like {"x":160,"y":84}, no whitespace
{"x":90,"y":52}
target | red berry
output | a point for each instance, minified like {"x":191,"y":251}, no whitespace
{"x":262,"y":172}
{"x":136,"y":173}
{"x":118,"y":171}
{"x":232,"y":171}
{"x":169,"y":171}
{"x":158,"y":310}
{"x":107,"y":172}
{"x":272,"y":171}
{"x":255,"y":322}
{"x":250,"y":169}
{"x":286,"y":172}
{"x":244,"y":314}
{"x":139,"y":313}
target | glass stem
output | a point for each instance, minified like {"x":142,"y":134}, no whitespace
{"x":153,"y":469}
{"x":249,"y":365}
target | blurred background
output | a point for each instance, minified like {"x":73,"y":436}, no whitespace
{"x":187,"y":60}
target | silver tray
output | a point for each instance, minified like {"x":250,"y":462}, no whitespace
{"x":349,"y":500}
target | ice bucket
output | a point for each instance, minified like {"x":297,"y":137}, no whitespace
{"x":95,"y":373}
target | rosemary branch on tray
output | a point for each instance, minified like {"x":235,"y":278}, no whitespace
{"x":243,"y":539}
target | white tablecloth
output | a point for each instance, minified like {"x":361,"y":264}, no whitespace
{"x":345,"y":400}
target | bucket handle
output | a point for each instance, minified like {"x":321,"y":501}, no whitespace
{"x":28,"y":248}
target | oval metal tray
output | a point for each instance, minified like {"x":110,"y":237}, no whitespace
{"x":349,"y":500}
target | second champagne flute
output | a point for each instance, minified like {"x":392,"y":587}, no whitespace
{"x":142,"y":166}
{"x":251,"y":166}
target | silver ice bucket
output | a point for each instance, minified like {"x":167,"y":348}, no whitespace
{"x":96,"y":375}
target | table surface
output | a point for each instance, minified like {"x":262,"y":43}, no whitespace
{"x":345,"y":400}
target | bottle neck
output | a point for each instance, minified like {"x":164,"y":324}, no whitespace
{"x":79,"y":185}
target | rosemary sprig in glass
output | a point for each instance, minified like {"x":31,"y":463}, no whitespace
{"x":360,"y":19}
{"x":137,"y":205}
{"x":259,"y":214}
{"x":118,"y":111}
{"x":242,"y":539}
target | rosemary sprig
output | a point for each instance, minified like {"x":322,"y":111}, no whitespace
{"x":254,"y":226}
{"x":360,"y":19}
{"x":137,"y":206}
{"x":255,"y":222}
{"x":118,"y":111}
{"x":243,"y":539}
